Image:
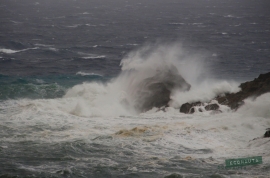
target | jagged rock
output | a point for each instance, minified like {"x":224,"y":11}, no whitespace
{"x":253,"y":88}
{"x":155,"y":91}
{"x":267,"y":133}
{"x":211,"y":107}
{"x":188,"y":108}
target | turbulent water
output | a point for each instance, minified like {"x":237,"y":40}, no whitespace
{"x":67,"y":68}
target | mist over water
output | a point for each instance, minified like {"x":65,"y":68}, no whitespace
{"x":147,"y":62}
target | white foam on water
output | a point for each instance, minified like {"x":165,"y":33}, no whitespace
{"x":53,"y":49}
{"x":204,"y":92}
{"x":86,"y":74}
{"x":176,"y":23}
{"x":95,"y":57}
{"x":10,"y":51}
{"x":74,"y":26}
{"x":43,"y":45}
{"x":95,"y":111}
{"x":258,"y":107}
{"x":225,"y":135}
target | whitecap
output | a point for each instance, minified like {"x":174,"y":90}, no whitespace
{"x":43,"y":45}
{"x":74,"y":26}
{"x":15,"y":22}
{"x":132,"y":44}
{"x":85,"y":74}
{"x":176,"y":23}
{"x":228,"y":16}
{"x":89,"y":25}
{"x":95,"y":57}
{"x":11,"y":51}
{"x":8,"y":51}
{"x":53,"y":49}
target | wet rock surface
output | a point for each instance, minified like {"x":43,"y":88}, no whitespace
{"x":188,"y":108}
{"x":267,"y":133}
{"x":253,"y":88}
{"x":155,"y":91}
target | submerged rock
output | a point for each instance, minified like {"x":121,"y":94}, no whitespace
{"x":156,"y":91}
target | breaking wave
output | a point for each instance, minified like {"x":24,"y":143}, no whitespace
{"x":118,"y":97}
{"x":11,"y":51}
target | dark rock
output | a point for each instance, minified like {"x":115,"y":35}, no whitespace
{"x":156,"y":91}
{"x":211,"y":107}
{"x":188,"y":108}
{"x":267,"y":133}
{"x":253,"y":88}
{"x":185,"y":108}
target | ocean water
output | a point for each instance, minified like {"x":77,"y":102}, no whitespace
{"x":68,"y":66}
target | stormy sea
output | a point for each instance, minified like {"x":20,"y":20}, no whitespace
{"x":72,"y":88}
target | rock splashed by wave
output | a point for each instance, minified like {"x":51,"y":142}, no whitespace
{"x":154,"y":76}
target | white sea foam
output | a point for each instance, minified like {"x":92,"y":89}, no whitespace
{"x":95,"y":57}
{"x":223,"y":136}
{"x":94,"y":112}
{"x":90,"y":25}
{"x":43,"y":45}
{"x":258,"y":107}
{"x":10,"y":51}
{"x":204,"y":92}
{"x":85,"y":74}
{"x":229,"y":16}
{"x":119,"y":94}
{"x":74,"y":26}
{"x":176,"y":23}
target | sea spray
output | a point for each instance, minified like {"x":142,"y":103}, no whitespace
{"x":258,"y":107}
{"x":146,"y":65}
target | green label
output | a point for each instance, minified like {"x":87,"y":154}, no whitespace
{"x":243,"y":161}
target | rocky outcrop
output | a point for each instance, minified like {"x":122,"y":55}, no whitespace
{"x":155,"y":91}
{"x":267,"y":133}
{"x":188,"y":108}
{"x":253,"y":88}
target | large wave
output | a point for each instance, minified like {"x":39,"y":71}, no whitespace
{"x":120,"y":95}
